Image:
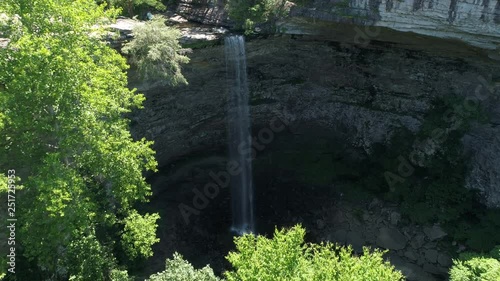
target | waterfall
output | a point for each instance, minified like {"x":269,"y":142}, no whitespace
{"x":239,"y":135}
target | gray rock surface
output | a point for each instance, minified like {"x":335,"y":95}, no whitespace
{"x":190,"y":33}
{"x":360,"y":95}
{"x":444,"y":260}
{"x":356,"y":240}
{"x":320,"y":224}
{"x":475,"y":22}
{"x":409,"y":254}
{"x":434,"y":269}
{"x":210,"y":12}
{"x":339,"y":236}
{"x":418,"y":261}
{"x":395,"y":218}
{"x":410,"y":270}
{"x":483,"y":144}
{"x":391,"y":238}
{"x":435,"y":232}
{"x":431,"y":255}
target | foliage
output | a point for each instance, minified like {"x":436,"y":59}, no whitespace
{"x":63,"y":99}
{"x":473,"y":266}
{"x":248,"y":14}
{"x":156,"y":52}
{"x":139,"y":234}
{"x":93,"y":258}
{"x":287,"y":257}
{"x":177,"y":269}
{"x":318,"y":162}
{"x":201,"y":44}
{"x":120,"y":275}
{"x":480,"y":233}
{"x":303,"y":2}
{"x":436,"y":191}
{"x":10,"y":26}
{"x":133,"y":7}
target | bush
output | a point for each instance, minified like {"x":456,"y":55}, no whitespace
{"x":156,"y":52}
{"x":434,"y":190}
{"x":177,"y":269}
{"x":472,"y":267}
{"x":247,"y":14}
{"x":287,"y":257}
{"x":481,"y":234}
{"x":139,"y":234}
{"x":132,"y":7}
{"x":119,"y":275}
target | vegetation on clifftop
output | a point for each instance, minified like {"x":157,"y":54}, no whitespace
{"x":257,"y":13}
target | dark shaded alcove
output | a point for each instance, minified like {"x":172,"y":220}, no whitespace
{"x":294,"y":181}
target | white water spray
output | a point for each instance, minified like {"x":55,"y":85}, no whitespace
{"x":239,"y":135}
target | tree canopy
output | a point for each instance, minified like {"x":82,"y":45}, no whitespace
{"x":156,"y":52}
{"x":286,"y":257}
{"x":62,"y":104}
{"x":475,"y":266}
{"x":248,"y":14}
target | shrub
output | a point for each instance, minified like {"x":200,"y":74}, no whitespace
{"x":434,"y":191}
{"x":139,"y":234}
{"x":248,"y":14}
{"x":287,"y":257}
{"x":177,"y":269}
{"x":472,"y":267}
{"x":156,"y":52}
{"x":132,"y":7}
{"x":482,"y":233}
{"x":119,"y":275}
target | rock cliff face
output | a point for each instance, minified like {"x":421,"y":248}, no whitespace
{"x":475,"y":22}
{"x":360,"y":94}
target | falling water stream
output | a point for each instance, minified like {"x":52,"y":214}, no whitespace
{"x":239,"y":136}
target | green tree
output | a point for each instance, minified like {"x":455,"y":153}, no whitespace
{"x":248,"y":14}
{"x":287,"y":257}
{"x":139,"y":234}
{"x":134,"y":6}
{"x":62,"y":107}
{"x":477,"y":267}
{"x":177,"y":269}
{"x":157,"y":53}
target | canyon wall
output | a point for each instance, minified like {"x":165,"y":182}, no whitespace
{"x":361,"y":94}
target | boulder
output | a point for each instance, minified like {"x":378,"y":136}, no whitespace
{"x":417,"y":241}
{"x":391,"y":238}
{"x":320,"y":224}
{"x":339,"y":236}
{"x":434,"y":269}
{"x":356,"y":240}
{"x":435,"y":232}
{"x":431,"y":255}
{"x":444,"y":260}
{"x":411,"y":255}
{"x":412,"y":271}
{"x":395,"y":218}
